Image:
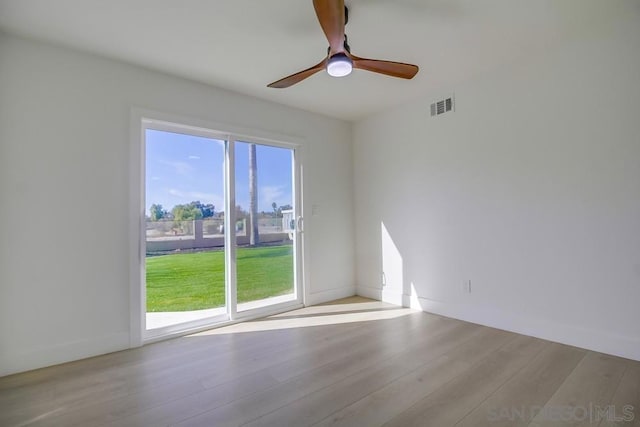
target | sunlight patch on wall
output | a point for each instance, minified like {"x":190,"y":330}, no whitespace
{"x":414,"y":301}
{"x":392,"y":269}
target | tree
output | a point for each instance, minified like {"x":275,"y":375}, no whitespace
{"x":254,"y":237}
{"x":189,"y":211}
{"x":156,"y":212}
{"x":207,"y":210}
{"x":274,"y":205}
{"x":186,"y":212}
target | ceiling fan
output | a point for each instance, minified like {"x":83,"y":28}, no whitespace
{"x":333,"y":16}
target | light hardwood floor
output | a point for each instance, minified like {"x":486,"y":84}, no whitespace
{"x":353,"y":362}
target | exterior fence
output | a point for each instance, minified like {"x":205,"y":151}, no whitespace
{"x":165,"y":236}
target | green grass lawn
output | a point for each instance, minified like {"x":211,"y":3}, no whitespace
{"x":194,"y":281}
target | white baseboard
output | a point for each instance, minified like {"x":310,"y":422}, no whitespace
{"x":330,"y":295}
{"x":369,"y":292}
{"x":389,"y":295}
{"x":596,"y":340}
{"x":49,"y":356}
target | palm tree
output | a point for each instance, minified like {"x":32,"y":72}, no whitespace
{"x":254,"y":237}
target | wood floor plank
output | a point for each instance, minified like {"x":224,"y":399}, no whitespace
{"x":516,"y":402}
{"x":371,"y":354}
{"x":92,"y":373}
{"x":182,"y":409}
{"x":469,"y":346}
{"x":353,"y":362}
{"x":104,"y":378}
{"x":174,"y":411}
{"x":624,"y":408}
{"x":331,"y":349}
{"x":180,"y":351}
{"x":454,"y":400}
{"x":104,"y":387}
{"x":391,"y":400}
{"x":236,"y":364}
{"x":591,"y":384}
{"x":92,"y":414}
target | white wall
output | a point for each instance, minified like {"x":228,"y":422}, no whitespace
{"x":531,"y":190}
{"x":64,"y":171}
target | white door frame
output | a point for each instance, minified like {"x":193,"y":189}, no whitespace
{"x":143,"y":119}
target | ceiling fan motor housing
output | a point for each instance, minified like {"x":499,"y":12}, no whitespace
{"x":346,"y":46}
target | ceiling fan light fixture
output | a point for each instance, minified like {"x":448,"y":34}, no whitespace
{"x":339,"y":65}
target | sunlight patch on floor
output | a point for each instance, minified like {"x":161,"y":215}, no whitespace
{"x":355,"y":309}
{"x":163,"y":319}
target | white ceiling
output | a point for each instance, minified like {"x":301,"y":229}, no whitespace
{"x":242,"y":45}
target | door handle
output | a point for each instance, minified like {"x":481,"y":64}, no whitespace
{"x":299,"y":225}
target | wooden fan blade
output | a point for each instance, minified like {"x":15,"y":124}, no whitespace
{"x":331,"y":16}
{"x":389,"y":68}
{"x":298,"y":77}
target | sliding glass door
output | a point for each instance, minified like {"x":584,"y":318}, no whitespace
{"x":185,"y":250}
{"x":221,"y":237}
{"x":265,"y":261}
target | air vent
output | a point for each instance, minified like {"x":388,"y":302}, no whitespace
{"x":442,"y":106}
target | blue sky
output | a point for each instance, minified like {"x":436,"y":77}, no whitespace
{"x":183,"y":168}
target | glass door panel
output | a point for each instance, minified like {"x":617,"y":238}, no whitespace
{"x":185,"y":259}
{"x":265,"y":219}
